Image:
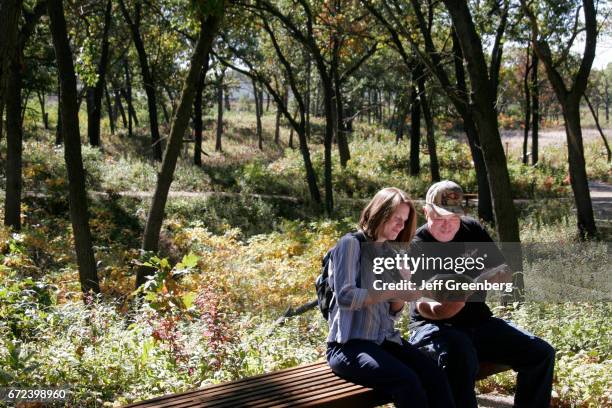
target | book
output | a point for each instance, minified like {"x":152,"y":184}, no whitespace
{"x":457,"y":287}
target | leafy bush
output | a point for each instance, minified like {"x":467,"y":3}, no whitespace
{"x":23,"y":305}
{"x":580,"y":334}
{"x":220,"y":213}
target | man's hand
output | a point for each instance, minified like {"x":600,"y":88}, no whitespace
{"x":396,"y":306}
{"x":439,"y":311}
{"x":500,"y":273}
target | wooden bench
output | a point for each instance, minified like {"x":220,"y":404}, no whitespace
{"x":469,"y":196}
{"x":305,"y":386}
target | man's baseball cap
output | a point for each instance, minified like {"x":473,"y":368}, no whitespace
{"x":445,"y":198}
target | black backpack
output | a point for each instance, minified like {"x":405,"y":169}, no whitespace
{"x":325,"y":294}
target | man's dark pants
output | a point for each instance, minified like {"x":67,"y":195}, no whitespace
{"x":458,"y":351}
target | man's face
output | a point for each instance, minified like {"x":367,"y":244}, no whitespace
{"x":442,"y":227}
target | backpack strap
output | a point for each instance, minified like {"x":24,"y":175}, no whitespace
{"x":324,"y":277}
{"x":360,"y":236}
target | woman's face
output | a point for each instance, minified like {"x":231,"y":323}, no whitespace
{"x":442,"y":227}
{"x":395,"y":224}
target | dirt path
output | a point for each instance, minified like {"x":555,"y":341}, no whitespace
{"x":495,"y":401}
{"x":600,"y":190}
{"x":601,"y":195}
{"x":512,"y":140}
{"x":551,"y":136}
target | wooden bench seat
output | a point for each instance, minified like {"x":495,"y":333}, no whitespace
{"x":470,"y":196}
{"x":304,"y":386}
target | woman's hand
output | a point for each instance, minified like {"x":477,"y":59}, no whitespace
{"x":439,"y":311}
{"x":405,"y":273}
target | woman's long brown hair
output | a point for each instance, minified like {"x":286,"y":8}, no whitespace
{"x":381,"y":207}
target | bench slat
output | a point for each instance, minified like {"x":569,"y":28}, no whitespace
{"x":273,"y":391}
{"x":270,"y":398}
{"x":245,"y":388}
{"x":310,"y":385}
{"x":349,"y":395}
{"x":258,"y":379}
{"x":275,"y":399}
{"x":312,"y":372}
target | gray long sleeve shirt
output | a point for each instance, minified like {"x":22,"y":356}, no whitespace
{"x":349,"y":318}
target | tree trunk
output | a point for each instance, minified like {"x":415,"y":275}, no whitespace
{"x":109,"y":109}
{"x":277,"y":126}
{"x":601,"y":133}
{"x":378,"y":105}
{"x":485,"y":203}
{"x":94,"y":94}
{"x":171,"y":98}
{"x":93,"y":116}
{"x":307,"y":97}
{"x":415,"y":131}
{"x":43,"y":109}
{"x":59,"y":138}
{"x":180,"y":121}
{"x":569,"y":100}
{"x":261,"y":99}
{"x":401,"y":123}
{"x":431,"y":140}
{"x":535,"y":108}
{"x":197,"y":117}
{"x":340,"y":127}
{"x":526,"y":87}
{"x":1,"y":117}
{"x":258,"y":106}
{"x":286,"y":103}
{"x":311,"y":177}
{"x":485,"y":118}
{"x":14,"y":83}
{"x":369,"y":106}
{"x":24,"y":108}
{"x":72,"y":150}
{"x":394,"y":113}
{"x":328,"y":95}
{"x":120,"y":109}
{"x":577,"y":170}
{"x":167,"y":117}
{"x":218,"y":147}
{"x":10,"y":14}
{"x":228,"y":106}
{"x":127,"y":95}
{"x":147,"y":77}
{"x":606,"y":100}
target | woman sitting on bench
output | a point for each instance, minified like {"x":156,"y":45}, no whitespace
{"x":363,"y":345}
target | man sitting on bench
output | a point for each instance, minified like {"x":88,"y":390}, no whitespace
{"x":461,"y":334}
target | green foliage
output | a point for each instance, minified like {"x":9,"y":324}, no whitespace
{"x":579,"y":333}
{"x":162,"y":291}
{"x":221,"y":213}
{"x":23,"y":305}
{"x":209,"y":7}
{"x":378,"y":161}
{"x":17,"y":365}
{"x":257,"y":177}
{"x":106,"y":359}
